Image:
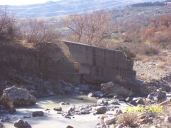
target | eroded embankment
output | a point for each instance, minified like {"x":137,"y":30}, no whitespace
{"x":25,"y":64}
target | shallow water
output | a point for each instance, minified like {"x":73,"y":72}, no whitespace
{"x":51,"y":118}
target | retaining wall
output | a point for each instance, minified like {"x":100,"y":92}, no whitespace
{"x":96,"y":61}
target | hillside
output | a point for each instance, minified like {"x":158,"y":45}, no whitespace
{"x":58,"y":8}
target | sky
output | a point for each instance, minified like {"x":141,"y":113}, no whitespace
{"x":22,"y":2}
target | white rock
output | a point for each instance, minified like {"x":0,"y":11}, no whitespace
{"x":153,"y":127}
{"x":71,"y":108}
{"x":115,"y":102}
{"x":91,"y":94}
{"x":18,"y":96}
{"x":109,"y":120}
{"x":100,"y":101}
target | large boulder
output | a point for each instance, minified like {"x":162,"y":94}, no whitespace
{"x":21,"y":124}
{"x":37,"y":113}
{"x":100,"y":109}
{"x":114,"y":89}
{"x":15,"y":96}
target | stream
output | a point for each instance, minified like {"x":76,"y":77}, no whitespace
{"x":51,"y":119}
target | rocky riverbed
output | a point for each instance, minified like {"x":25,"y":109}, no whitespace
{"x":97,"y":109}
{"x":50,"y":117}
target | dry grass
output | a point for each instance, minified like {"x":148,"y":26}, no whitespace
{"x":161,"y":58}
{"x":146,"y":77}
{"x":166,"y":110}
{"x":139,"y":58}
{"x":168,"y":60}
{"x":146,"y":59}
{"x":24,"y":43}
{"x":160,"y":65}
{"x":127,"y":119}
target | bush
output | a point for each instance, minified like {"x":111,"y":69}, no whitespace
{"x":8,"y":28}
{"x":127,"y":119}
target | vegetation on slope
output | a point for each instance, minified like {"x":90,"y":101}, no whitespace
{"x":142,"y":33}
{"x":136,"y":36}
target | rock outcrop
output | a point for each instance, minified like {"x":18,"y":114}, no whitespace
{"x":15,"y":96}
{"x":113,"y":89}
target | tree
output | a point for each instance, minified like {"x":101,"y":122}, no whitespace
{"x":38,"y":31}
{"x":90,"y":28}
{"x":165,"y":20}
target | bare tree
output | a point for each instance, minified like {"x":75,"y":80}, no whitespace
{"x":76,"y":25}
{"x":38,"y":31}
{"x":90,"y":28}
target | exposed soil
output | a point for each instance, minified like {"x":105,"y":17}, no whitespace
{"x":155,"y":71}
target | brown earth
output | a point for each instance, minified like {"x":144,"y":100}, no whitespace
{"x":155,"y":71}
{"x":21,"y":61}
